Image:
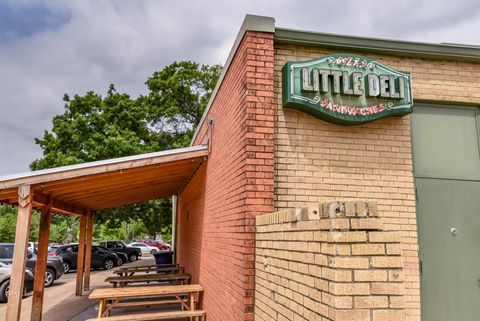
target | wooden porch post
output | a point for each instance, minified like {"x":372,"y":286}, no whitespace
{"x":88,"y":250}
{"x":81,"y":254}
{"x":41,"y":266}
{"x":19,"y":253}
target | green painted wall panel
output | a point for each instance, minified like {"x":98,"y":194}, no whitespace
{"x":445,"y":142}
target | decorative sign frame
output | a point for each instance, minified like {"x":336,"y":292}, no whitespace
{"x":346,"y":89}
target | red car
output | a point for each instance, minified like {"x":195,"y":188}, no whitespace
{"x":158,"y":244}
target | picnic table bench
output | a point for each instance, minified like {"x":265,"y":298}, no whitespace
{"x":168,"y":269}
{"x":183,"y":278}
{"x":189,"y":296}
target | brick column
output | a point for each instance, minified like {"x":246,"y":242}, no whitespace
{"x":332,"y":262}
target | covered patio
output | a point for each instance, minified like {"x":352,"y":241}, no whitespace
{"x":82,"y":190}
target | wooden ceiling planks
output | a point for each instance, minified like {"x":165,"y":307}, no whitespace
{"x":116,"y":179}
{"x":179,"y":166}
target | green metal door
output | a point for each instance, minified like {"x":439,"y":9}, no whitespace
{"x":447,"y":179}
{"x":449,"y":221}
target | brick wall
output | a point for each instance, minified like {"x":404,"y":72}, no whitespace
{"x":217,"y":208}
{"x":316,"y":161}
{"x":332,"y":261}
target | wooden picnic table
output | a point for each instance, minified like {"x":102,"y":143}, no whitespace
{"x":149,"y":266}
{"x":183,"y":278}
{"x":171,"y":269}
{"x":193,"y":293}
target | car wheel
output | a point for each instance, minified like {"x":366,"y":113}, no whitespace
{"x":4,"y":289}
{"x":108,"y":264}
{"x":49,"y":277}
{"x":153,"y":251}
{"x":66,"y":266}
{"x":133,"y":257}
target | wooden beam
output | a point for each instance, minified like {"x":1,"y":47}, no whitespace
{"x":58,"y":206}
{"x":88,"y":250}
{"x":17,"y":278}
{"x":41,"y":265}
{"x":81,"y":255}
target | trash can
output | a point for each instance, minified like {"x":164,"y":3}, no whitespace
{"x":163,"y":257}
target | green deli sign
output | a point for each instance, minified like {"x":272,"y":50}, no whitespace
{"x":346,"y":89}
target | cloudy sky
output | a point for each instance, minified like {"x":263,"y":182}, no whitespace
{"x":48,"y":48}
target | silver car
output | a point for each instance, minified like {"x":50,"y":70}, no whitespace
{"x":5,"y":273}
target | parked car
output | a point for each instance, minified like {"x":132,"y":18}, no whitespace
{"x":146,"y":249}
{"x":118,"y":246}
{"x":5,"y":274}
{"x":122,"y":257}
{"x":33,"y":246}
{"x":101,"y":258}
{"x":158,"y":244}
{"x":52,"y":247}
{"x":54,"y":268}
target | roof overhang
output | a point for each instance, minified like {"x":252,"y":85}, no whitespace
{"x":379,"y":46}
{"x":109,"y":183}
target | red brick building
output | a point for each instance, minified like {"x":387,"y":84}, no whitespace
{"x":265,"y":158}
{"x":331,"y":178}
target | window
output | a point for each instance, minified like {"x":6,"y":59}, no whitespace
{"x":6,"y":252}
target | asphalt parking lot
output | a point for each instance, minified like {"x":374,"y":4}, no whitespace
{"x":60,"y":302}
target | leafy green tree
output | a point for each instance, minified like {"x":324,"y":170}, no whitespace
{"x":178,"y":96}
{"x":8,"y":221}
{"x":93,"y":128}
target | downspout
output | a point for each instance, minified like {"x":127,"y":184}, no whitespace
{"x":174,"y":226}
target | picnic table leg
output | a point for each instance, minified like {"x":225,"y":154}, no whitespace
{"x":101,"y":307}
{"x":191,"y":301}
{"x":191,"y":298}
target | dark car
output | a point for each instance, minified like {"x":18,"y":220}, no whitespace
{"x":101,"y":258}
{"x":5,"y":273}
{"x":122,"y":256}
{"x":118,"y":246}
{"x":54,"y":268}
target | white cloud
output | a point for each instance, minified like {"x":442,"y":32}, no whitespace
{"x":124,"y":42}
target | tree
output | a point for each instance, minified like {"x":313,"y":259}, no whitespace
{"x":95,"y":128}
{"x":8,"y":221}
{"x":178,"y":96}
